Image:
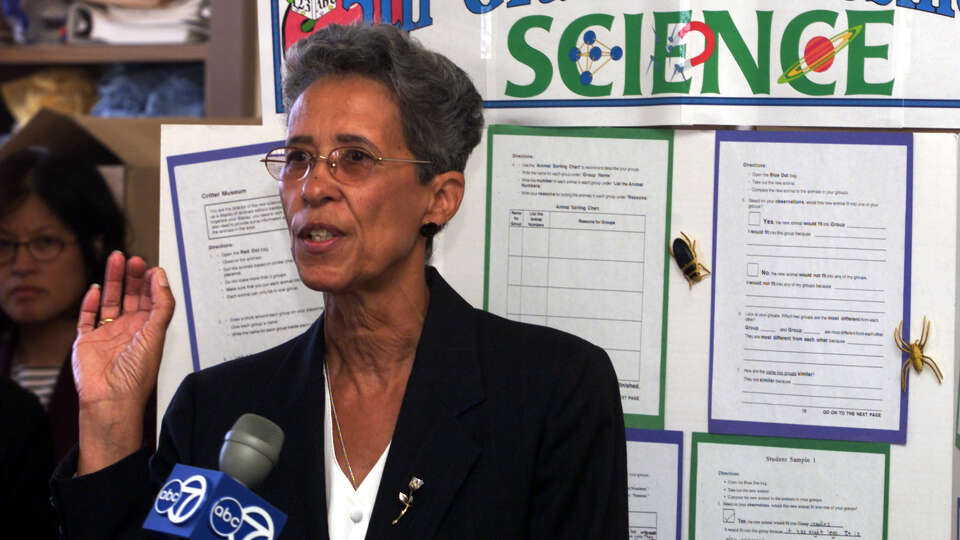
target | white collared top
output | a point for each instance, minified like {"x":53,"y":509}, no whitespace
{"x":348,"y":511}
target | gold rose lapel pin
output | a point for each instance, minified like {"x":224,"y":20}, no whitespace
{"x":407,"y":498}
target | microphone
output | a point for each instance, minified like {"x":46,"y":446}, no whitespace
{"x":201,"y":504}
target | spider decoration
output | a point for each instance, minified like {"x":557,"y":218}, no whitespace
{"x":684,"y":251}
{"x":915,"y":350}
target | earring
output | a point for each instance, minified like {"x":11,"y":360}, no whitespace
{"x":429,"y":229}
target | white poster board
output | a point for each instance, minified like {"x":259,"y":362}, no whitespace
{"x":875,"y":63}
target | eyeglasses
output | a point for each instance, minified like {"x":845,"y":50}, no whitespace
{"x":41,"y":248}
{"x":348,"y":164}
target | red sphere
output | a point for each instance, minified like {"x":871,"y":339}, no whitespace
{"x":816,"y":49}
{"x":296,"y":26}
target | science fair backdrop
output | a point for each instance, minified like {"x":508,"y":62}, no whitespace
{"x":854,"y":468}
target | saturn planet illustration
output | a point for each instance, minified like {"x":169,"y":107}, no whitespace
{"x":818,"y":54}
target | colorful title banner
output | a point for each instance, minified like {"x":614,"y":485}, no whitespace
{"x":871,"y":63}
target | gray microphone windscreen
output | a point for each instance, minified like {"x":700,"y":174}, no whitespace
{"x":251,"y":449}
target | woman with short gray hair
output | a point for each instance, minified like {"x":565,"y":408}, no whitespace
{"x":407,"y":413}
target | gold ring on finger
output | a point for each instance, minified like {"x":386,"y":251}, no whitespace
{"x":104,"y":321}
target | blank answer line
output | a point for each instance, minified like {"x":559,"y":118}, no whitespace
{"x":855,"y":289}
{"x":818,"y":353}
{"x":866,"y":344}
{"x":817,"y":309}
{"x":816,"y":247}
{"x":804,"y":395}
{"x":810,"y":298}
{"x":810,"y":406}
{"x":808,"y":363}
{"x":815,"y":258}
{"x":572,"y":317}
{"x":839,"y":386}
{"x":848,"y":237}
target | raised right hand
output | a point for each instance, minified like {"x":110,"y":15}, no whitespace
{"x":116,"y":359}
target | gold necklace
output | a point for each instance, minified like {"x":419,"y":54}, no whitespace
{"x":336,"y":422}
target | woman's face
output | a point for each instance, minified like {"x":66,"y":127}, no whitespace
{"x":35,"y":292}
{"x":362,"y":235}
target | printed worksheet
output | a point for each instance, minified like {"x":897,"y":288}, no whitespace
{"x":753,"y":488}
{"x":241,"y":287}
{"x":576,"y":240}
{"x":811,"y":275}
{"x":654,"y":479}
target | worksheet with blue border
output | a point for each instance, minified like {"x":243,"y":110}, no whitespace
{"x":654,"y":483}
{"x":242,"y":291}
{"x":811,"y":275}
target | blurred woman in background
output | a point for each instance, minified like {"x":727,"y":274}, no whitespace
{"x":58,"y":223}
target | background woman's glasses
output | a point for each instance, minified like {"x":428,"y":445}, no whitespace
{"x":41,"y":248}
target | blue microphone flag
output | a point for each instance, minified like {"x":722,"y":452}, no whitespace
{"x":202,"y":504}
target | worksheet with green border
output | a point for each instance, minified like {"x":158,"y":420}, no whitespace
{"x":823,"y":528}
{"x":573,"y":186}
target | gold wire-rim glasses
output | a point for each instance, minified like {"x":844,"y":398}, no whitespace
{"x":348,"y":164}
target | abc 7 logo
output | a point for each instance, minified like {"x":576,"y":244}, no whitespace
{"x":179,"y":500}
{"x":227,"y":516}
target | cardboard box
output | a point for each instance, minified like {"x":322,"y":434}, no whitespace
{"x":133,"y":143}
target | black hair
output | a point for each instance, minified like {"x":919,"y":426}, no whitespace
{"x":75,"y":192}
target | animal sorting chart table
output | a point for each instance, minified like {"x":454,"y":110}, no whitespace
{"x":582,"y":273}
{"x":576,"y":225}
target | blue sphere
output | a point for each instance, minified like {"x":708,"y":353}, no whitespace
{"x":574,"y":54}
{"x":589,"y":37}
{"x":595,"y":53}
{"x":586,"y":78}
{"x":616,"y":53}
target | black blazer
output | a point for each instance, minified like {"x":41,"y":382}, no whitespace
{"x":516,"y":431}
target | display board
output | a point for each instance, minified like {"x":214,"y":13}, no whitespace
{"x":925,"y":459}
{"x":509,"y":44}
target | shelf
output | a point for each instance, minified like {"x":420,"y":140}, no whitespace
{"x":229,"y":59}
{"x":100,"y":54}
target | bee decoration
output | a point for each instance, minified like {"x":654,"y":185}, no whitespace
{"x":915,"y":350}
{"x":684,"y":251}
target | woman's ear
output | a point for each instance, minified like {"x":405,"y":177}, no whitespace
{"x":447,"y":194}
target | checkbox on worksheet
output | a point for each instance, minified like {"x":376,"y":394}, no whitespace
{"x":754,"y":218}
{"x":753,"y":269}
{"x":729,"y":516}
